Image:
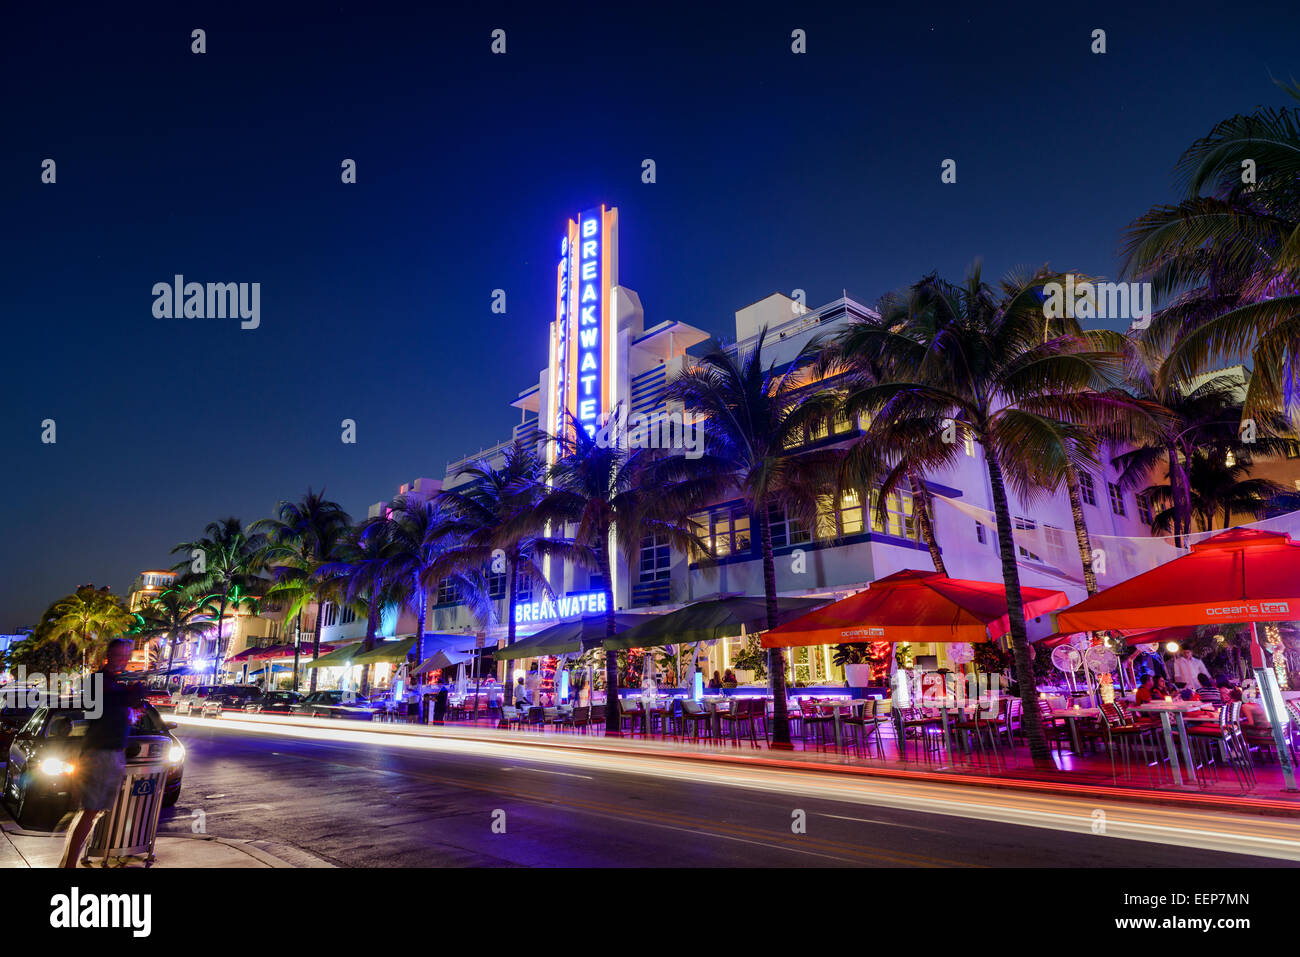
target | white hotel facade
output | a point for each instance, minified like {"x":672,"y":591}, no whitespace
{"x":627,"y":361}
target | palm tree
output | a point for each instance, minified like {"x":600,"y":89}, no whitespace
{"x":1182,"y":416}
{"x":980,"y":360}
{"x":85,"y":620}
{"x":614,"y":498}
{"x":223,"y":565}
{"x":359,"y":576}
{"x":1220,"y":484}
{"x":854,"y":354}
{"x":417,"y":539}
{"x":303,"y":536}
{"x":494,"y":516}
{"x":174,"y":616}
{"x":1226,"y":258}
{"x":753,"y":415}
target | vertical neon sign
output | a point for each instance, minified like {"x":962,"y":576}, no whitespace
{"x":581,"y":338}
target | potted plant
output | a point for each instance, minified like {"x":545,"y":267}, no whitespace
{"x":856,"y":660}
{"x":751,"y":662}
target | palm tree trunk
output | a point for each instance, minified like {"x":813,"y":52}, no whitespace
{"x":1175,"y":499}
{"x":297,"y":642}
{"x":1031,"y":721}
{"x":315,"y":643}
{"x":216,"y":652}
{"x":921,"y":505}
{"x":1081,"y":529}
{"x":775,"y":658}
{"x":511,"y":585}
{"x":372,"y":625}
{"x":419,"y":649}
{"x":612,"y":725}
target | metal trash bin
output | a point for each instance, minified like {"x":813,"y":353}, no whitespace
{"x":131,"y":827}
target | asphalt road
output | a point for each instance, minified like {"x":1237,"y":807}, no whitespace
{"x":372,"y":804}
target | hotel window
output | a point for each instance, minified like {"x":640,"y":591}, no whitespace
{"x":524,"y":587}
{"x":786,"y":530}
{"x":843,"y":422}
{"x":980,"y":535}
{"x":448,"y":593}
{"x":655,"y":560}
{"x":348,"y":617}
{"x":969,"y":440}
{"x":1144,"y":509}
{"x":1021,"y":524}
{"x":496,"y":585}
{"x":1116,"y":499}
{"x":1087,"y":491}
{"x":723,"y":532}
{"x":851,"y":512}
{"x":818,"y":430}
{"x":899,"y":520}
{"x":330,"y":614}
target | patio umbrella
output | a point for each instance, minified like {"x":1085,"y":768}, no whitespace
{"x":441,"y":660}
{"x":336,"y":658}
{"x":709,"y":620}
{"x":1241,"y":576}
{"x":567,"y":637}
{"x":913,"y":605}
{"x":386,"y":651}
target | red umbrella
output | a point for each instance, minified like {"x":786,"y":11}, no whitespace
{"x":914,"y":606}
{"x":1242,"y":575}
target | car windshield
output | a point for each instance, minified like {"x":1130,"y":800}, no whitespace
{"x":73,"y":723}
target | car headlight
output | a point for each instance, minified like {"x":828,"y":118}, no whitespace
{"x":56,"y":766}
{"x":177,"y":754}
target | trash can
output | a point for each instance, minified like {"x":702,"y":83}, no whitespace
{"x":131,"y":827}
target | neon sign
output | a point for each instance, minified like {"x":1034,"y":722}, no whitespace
{"x":582,"y":334}
{"x":566,"y":606}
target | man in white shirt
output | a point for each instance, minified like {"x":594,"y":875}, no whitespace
{"x":1186,"y":667}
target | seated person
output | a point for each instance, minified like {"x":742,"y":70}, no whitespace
{"x":1162,"y":690}
{"x":1145,"y":690}
{"x":1253,"y":718}
{"x":1207,"y":691}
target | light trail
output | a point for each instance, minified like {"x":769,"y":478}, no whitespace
{"x":1104,"y":815}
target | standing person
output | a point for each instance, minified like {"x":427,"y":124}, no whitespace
{"x":1186,"y":668}
{"x":102,"y":763}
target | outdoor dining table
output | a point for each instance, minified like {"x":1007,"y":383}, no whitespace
{"x":944,"y":705}
{"x":1179,"y":708}
{"x":837,"y":708}
{"x":1072,"y":716}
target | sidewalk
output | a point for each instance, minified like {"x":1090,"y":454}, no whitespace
{"x":19,"y":848}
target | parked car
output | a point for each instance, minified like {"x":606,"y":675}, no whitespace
{"x":42,"y":767}
{"x":273,"y":702}
{"x":210,"y":699}
{"x":158,"y":697}
{"x":13,"y":717}
{"x":336,"y":704}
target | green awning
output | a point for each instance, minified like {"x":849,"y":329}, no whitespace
{"x":567,"y":637}
{"x":386,"y":651}
{"x":338,"y":658}
{"x":709,"y":620}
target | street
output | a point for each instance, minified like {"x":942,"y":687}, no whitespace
{"x":376,"y":801}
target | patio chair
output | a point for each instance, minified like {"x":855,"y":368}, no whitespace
{"x":813,"y":719}
{"x":862,"y":725}
{"x":1223,"y":739}
{"x":1055,"y":730}
{"x":537,"y":717}
{"x":597,"y":719}
{"x":629,"y":714}
{"x":1121,"y":733}
{"x":742,"y":712}
{"x":510,"y":717}
{"x":911,"y":724}
{"x":693,"y":716}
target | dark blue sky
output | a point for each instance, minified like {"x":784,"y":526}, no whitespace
{"x":775,"y":171}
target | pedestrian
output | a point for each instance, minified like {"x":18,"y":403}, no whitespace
{"x":102,"y":763}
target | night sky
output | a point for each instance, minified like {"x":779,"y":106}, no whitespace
{"x":775,"y":171}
